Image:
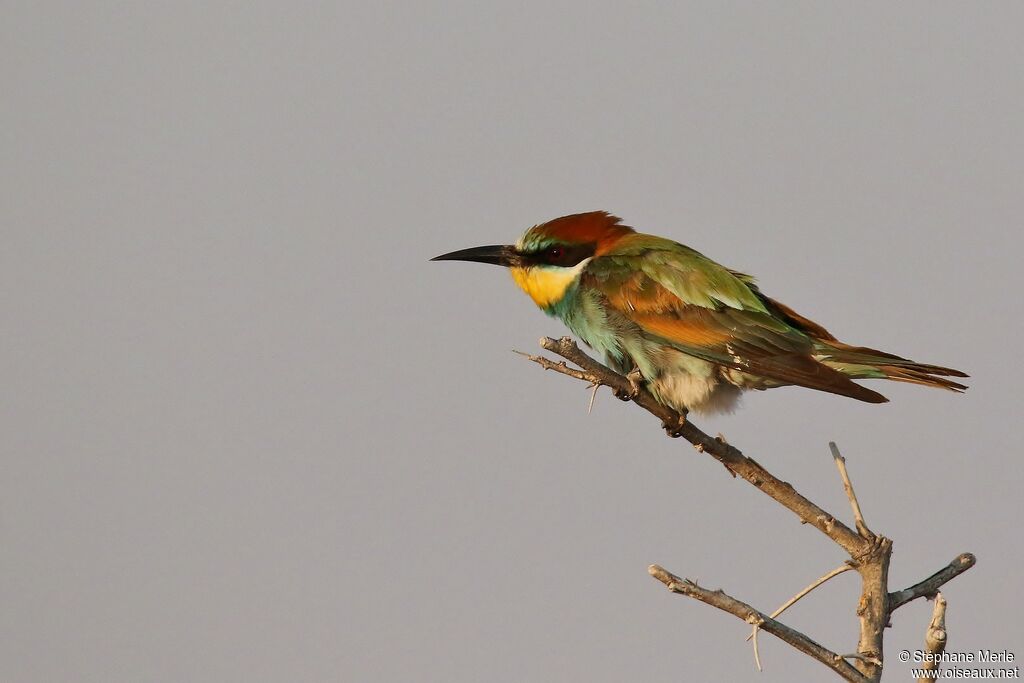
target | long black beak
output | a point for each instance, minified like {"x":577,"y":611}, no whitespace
{"x":496,"y":254}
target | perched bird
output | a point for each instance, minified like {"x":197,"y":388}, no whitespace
{"x":697,"y":332}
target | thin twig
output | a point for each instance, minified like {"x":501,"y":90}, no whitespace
{"x":858,"y":518}
{"x":729,"y":604}
{"x":560,"y":366}
{"x":845,"y":567}
{"x":935,"y":638}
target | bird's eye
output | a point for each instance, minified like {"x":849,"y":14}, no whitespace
{"x":556,"y":253}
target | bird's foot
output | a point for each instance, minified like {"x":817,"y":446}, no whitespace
{"x":635,"y":385}
{"x":675,"y":428}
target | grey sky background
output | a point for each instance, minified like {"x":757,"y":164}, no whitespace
{"x":249,"y":433}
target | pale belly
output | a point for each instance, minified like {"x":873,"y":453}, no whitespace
{"x":687,"y":383}
{"x":676,"y":379}
{"x":707,"y":396}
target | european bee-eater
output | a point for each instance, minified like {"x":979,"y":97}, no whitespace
{"x":697,"y":332}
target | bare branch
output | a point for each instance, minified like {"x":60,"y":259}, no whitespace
{"x":869,"y":553}
{"x":930,"y":586}
{"x":935,"y":638}
{"x":858,"y":518}
{"x":729,"y":604}
{"x":728,"y":455}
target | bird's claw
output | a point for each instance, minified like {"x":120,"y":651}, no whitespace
{"x":675,"y":429}
{"x":635,"y":380}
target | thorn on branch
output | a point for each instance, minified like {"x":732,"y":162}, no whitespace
{"x":757,"y":654}
{"x":593,"y":395}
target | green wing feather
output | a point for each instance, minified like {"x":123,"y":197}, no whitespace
{"x":681,"y":298}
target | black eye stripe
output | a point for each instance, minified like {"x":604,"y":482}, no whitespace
{"x":562,"y":255}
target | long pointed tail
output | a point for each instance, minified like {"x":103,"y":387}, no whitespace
{"x":860,"y":362}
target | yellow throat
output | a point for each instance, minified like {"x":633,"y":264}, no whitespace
{"x":546,"y":286}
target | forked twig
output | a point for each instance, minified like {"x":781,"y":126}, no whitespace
{"x":561,"y":367}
